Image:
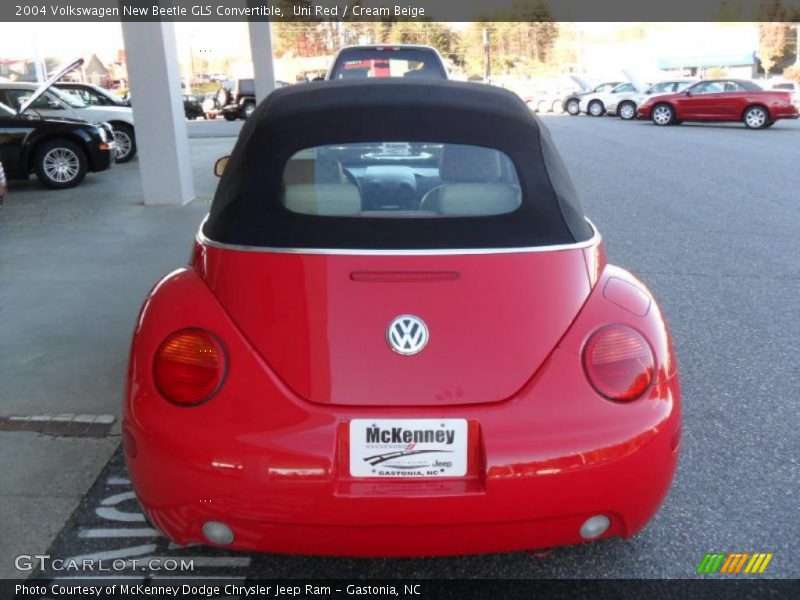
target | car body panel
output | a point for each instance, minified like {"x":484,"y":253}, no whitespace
{"x":99,"y":96}
{"x":313,"y":327}
{"x":296,"y":314}
{"x":639,"y":97}
{"x":623,"y":90}
{"x":555,"y":443}
{"x":20,"y":134}
{"x":723,"y":106}
{"x":60,"y":109}
{"x":584,"y":91}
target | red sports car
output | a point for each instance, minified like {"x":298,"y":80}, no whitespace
{"x":399,"y":335}
{"x":721,"y":100}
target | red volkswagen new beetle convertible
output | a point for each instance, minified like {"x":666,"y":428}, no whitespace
{"x":399,"y":335}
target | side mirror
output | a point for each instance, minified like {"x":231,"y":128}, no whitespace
{"x":688,"y":92}
{"x":219,"y":166}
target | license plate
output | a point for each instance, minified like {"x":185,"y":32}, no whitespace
{"x":403,"y":448}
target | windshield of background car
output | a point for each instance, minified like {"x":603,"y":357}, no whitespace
{"x":364,"y":63}
{"x":605,"y":87}
{"x":401,"y":179}
{"x":623,"y":88}
{"x":69,"y":98}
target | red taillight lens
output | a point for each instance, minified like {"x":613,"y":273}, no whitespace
{"x":619,"y":363}
{"x":189,"y":367}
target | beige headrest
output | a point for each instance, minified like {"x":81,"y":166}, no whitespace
{"x":304,"y":168}
{"x":478,"y":199}
{"x":327,"y":199}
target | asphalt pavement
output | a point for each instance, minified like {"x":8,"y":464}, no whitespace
{"x":706,"y":214}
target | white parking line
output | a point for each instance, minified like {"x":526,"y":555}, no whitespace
{"x":119,"y":532}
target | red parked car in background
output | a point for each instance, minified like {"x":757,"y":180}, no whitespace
{"x":399,"y":338}
{"x":721,"y":100}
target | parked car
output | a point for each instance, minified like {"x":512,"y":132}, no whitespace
{"x":571,"y":102}
{"x":447,"y":366}
{"x":53,"y":102}
{"x":3,"y":189}
{"x":92,"y":95}
{"x":192,"y":107}
{"x":380,"y":61}
{"x":721,"y":100}
{"x":59,"y":150}
{"x":594,"y":104}
{"x":237,"y":99}
{"x":625,"y":104}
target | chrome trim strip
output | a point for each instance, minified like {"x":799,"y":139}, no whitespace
{"x":592,"y":241}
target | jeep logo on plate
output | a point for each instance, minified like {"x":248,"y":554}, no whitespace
{"x":407,"y":334}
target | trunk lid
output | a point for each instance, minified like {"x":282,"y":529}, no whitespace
{"x":320,"y":321}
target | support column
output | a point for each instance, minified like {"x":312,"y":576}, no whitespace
{"x":161,"y":137}
{"x":263,"y":61}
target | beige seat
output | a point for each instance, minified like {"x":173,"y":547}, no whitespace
{"x":478,"y":199}
{"x":473,"y":184}
{"x":324,"y":199}
{"x":305,"y":168}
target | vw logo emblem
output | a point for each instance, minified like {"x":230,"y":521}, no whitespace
{"x":407,"y":334}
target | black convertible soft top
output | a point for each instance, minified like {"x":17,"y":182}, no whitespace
{"x":247,"y":207}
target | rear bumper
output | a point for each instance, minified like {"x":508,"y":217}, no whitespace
{"x":531,"y":483}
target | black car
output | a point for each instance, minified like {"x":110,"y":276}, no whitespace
{"x":59,"y":151}
{"x":192,"y":107}
{"x":237,"y":99}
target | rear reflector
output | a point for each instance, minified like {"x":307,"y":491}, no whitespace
{"x":619,"y":363}
{"x":189,"y":367}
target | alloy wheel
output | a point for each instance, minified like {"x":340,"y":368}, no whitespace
{"x":61,"y":165}
{"x":662,"y":115}
{"x":755,"y":118}
{"x":627,"y":111}
{"x":124,"y":144}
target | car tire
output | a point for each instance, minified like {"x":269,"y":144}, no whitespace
{"x":663,"y":114}
{"x":60,"y":164}
{"x":248,"y":109}
{"x":627,"y":111}
{"x":596,"y":108}
{"x":573,"y":107}
{"x":756,"y":117}
{"x":769,"y":124}
{"x":126,"y":142}
{"x":229,"y":116}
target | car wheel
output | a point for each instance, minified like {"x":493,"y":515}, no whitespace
{"x":249,"y":109}
{"x":596,"y":108}
{"x":126,"y":142}
{"x":663,"y":114}
{"x":573,"y":107}
{"x":627,"y":111}
{"x":756,"y":117}
{"x":60,"y":164}
{"x":229,"y":116}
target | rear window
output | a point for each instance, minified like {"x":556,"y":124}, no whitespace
{"x":400,"y":179}
{"x":365,"y":63}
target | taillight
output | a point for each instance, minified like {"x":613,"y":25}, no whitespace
{"x":189,"y":367}
{"x":619,"y":363}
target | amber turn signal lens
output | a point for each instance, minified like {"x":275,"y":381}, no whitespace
{"x":619,"y":363}
{"x":189,"y":367}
